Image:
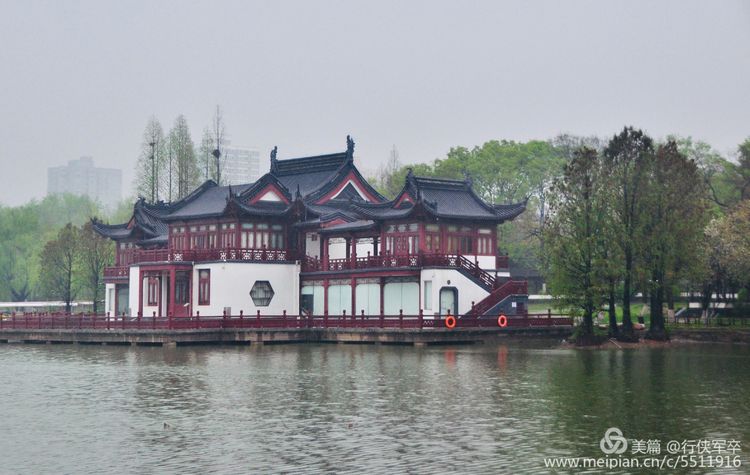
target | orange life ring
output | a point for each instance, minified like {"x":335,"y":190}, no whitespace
{"x":502,"y":321}
{"x":450,"y":322}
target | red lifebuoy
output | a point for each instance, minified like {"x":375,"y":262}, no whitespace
{"x":502,"y":321}
{"x":450,"y":322}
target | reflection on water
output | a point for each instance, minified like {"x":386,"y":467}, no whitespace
{"x":73,"y":409}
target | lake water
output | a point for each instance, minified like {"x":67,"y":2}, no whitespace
{"x":357,"y":409}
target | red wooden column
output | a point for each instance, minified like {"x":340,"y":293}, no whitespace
{"x":324,"y":255}
{"x":354,"y":296}
{"x":140,"y":291}
{"x":354,"y":252}
{"x":170,"y":307}
{"x":382,"y":296}
{"x":422,"y":243}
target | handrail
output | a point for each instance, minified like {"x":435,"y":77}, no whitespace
{"x":511,"y":287}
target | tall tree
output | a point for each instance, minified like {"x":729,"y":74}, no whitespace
{"x":625,"y":157}
{"x":573,"y":234}
{"x":742,"y":179}
{"x":718,"y":173}
{"x":205,"y":155}
{"x":675,"y":199}
{"x":59,"y":261}
{"x":151,"y":165}
{"x":95,"y":252}
{"x":184,"y":164}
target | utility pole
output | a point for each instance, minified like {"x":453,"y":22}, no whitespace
{"x":217,"y":153}
{"x":153,"y":173}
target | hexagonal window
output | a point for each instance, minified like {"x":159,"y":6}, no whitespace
{"x":261,"y":293}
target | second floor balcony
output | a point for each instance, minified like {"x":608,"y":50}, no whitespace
{"x":129,"y":257}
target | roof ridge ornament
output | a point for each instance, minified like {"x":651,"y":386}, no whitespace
{"x":349,"y":148}
{"x":274,"y":161}
{"x":297,"y":194}
{"x":467,"y":179}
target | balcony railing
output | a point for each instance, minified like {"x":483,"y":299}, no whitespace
{"x":139,"y":256}
{"x":116,"y":272}
{"x":310,"y":264}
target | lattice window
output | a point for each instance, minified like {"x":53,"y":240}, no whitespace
{"x":262,"y":293}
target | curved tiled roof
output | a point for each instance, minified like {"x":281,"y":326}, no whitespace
{"x":305,"y":181}
{"x":450,"y":199}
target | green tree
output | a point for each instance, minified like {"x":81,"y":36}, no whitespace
{"x":573,"y":235}
{"x":718,"y":173}
{"x":675,"y":201}
{"x":625,"y":158}
{"x":59,"y":261}
{"x":95,"y":253}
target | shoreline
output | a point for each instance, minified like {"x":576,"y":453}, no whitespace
{"x":678,"y":336}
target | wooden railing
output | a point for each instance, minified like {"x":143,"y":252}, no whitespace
{"x":138,"y":256}
{"x":256,"y":255}
{"x":116,"y":272}
{"x":47,"y":321}
{"x":488,"y":280}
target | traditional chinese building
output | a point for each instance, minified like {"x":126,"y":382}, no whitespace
{"x":313,"y":236}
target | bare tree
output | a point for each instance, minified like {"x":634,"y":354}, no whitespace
{"x":185,"y":166}
{"x":151,"y":161}
{"x":59,"y":263}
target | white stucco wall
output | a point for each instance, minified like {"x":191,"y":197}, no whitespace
{"x":231,"y":283}
{"x":468,"y":291}
{"x":337,"y":248}
{"x":312,"y":248}
{"x":109,"y":298}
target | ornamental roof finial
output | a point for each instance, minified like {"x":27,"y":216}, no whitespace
{"x":297,"y":194}
{"x":349,"y":148}
{"x":467,"y":179}
{"x":274,"y":162}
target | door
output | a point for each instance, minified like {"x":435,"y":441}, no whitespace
{"x":448,"y":301}
{"x":182,"y":294}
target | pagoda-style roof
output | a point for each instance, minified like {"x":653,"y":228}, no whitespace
{"x":322,"y":191}
{"x":146,"y":224}
{"x":440,"y":198}
{"x":208,"y":200}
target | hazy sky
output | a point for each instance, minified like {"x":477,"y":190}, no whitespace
{"x":82,"y":78}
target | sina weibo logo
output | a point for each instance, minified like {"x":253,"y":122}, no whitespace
{"x":613,"y":442}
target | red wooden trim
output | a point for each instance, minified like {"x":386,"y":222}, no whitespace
{"x":342,"y":184}
{"x":171,"y":306}
{"x":333,"y":222}
{"x":404,"y":197}
{"x":268,"y":188}
{"x":140,"y":291}
{"x":201,"y":282}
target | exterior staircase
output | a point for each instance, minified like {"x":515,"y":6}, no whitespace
{"x":499,"y":291}
{"x":497,"y":296}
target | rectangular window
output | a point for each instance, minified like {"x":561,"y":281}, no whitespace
{"x":427,"y":295}
{"x":153,"y":291}
{"x":204,"y":287}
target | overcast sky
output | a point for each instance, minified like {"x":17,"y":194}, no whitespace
{"x":82,"y":78}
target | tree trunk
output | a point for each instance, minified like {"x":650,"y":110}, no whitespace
{"x":613,"y":329}
{"x":656,"y":328}
{"x":627,"y":333}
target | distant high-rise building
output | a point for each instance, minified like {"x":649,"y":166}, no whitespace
{"x":241,"y":165}
{"x":81,"y":177}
